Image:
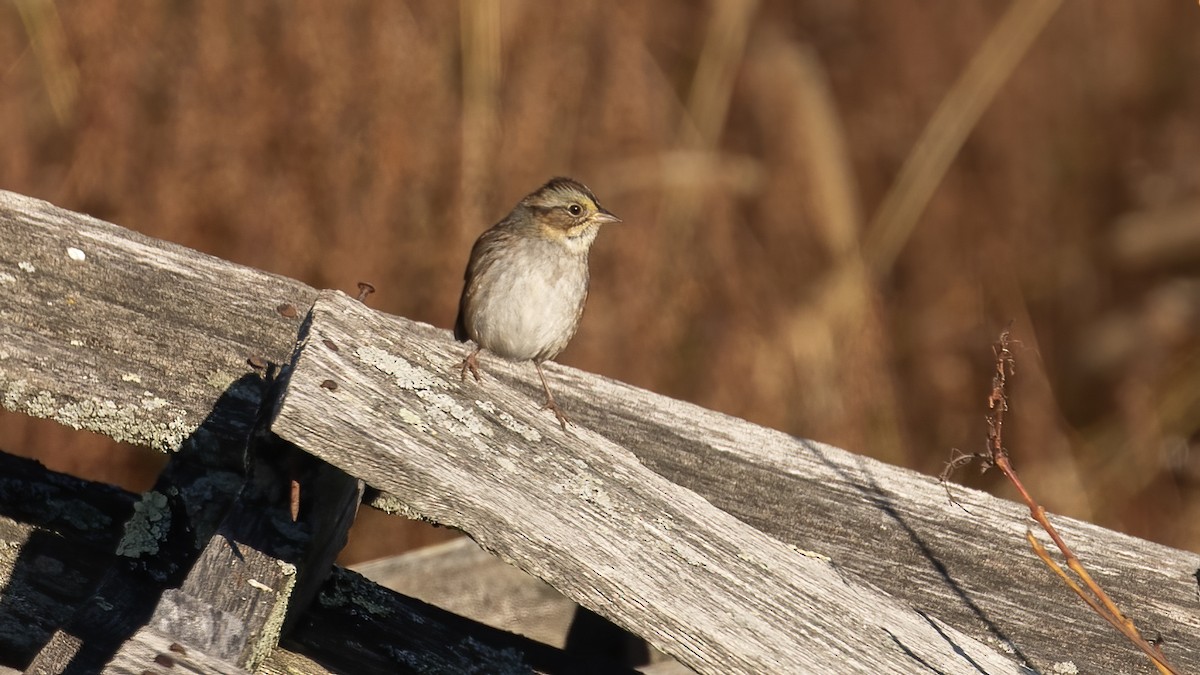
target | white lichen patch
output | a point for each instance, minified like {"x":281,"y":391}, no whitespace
{"x":6,"y":278}
{"x":407,"y":375}
{"x":152,"y":402}
{"x":509,"y":422}
{"x":255,"y":583}
{"x":76,"y":343}
{"x":26,"y":266}
{"x":123,"y":423}
{"x":589,"y":489}
{"x":76,"y":254}
{"x":219,"y":380}
{"x":441,"y":410}
{"x":412,"y":419}
{"x":149,"y":525}
{"x":450,"y":415}
{"x":131,"y":377}
{"x":14,"y":393}
{"x":810,"y":554}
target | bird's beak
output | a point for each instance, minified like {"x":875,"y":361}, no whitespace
{"x":603,"y":216}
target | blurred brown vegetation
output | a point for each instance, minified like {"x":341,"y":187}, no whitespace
{"x":779,"y":261}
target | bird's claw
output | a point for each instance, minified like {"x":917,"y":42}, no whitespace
{"x":470,"y":364}
{"x":558,"y":413}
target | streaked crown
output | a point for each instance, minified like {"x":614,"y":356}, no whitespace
{"x":567,"y":204}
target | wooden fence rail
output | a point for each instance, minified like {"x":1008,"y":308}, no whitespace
{"x":731,"y":547}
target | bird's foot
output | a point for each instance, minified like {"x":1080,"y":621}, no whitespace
{"x":558,"y":413}
{"x":470,"y":363}
{"x":550,"y":404}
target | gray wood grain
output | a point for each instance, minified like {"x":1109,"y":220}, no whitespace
{"x":393,"y":633}
{"x":104,"y":329}
{"x":372,"y":394}
{"x":897,"y":529}
{"x":460,"y":577}
{"x":152,"y":652}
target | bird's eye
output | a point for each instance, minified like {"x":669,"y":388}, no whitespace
{"x":574,"y":209}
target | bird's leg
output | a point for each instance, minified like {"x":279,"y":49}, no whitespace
{"x":550,"y":404}
{"x":471,"y":363}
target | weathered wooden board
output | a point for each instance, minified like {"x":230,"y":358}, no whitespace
{"x":461,"y":577}
{"x":104,"y":329}
{"x":152,"y":652}
{"x":373,"y":395}
{"x":392,"y":633}
{"x":897,"y":529}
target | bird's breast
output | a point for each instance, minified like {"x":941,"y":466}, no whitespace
{"x":528,"y":304}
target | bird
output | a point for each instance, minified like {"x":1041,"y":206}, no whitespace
{"x":526,"y":281}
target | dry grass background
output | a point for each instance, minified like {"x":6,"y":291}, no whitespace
{"x":831,"y":207}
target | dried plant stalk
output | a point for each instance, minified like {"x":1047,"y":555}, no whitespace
{"x":996,"y":455}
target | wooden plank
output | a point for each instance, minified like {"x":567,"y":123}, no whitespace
{"x":59,"y":358}
{"x":230,"y":607}
{"x":896,"y":528}
{"x":104,"y":329}
{"x":151,"y":652}
{"x":462,"y":578}
{"x":374,"y":395}
{"x":392,"y":633}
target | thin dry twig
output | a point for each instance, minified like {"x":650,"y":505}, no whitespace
{"x":996,"y":455}
{"x":958,"y":458}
